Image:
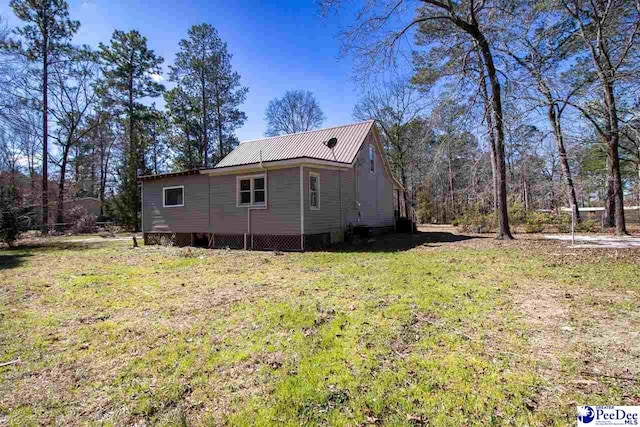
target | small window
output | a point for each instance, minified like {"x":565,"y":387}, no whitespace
{"x":252,"y":191}
{"x":372,"y":159}
{"x":258,"y":191}
{"x":245,"y":191}
{"x":173,"y":196}
{"x":314,"y":191}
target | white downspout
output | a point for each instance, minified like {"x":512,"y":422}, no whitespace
{"x":341,"y":209}
{"x":266,"y":193}
{"x":302,"y":208}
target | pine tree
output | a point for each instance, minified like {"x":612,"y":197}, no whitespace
{"x":203,"y":70}
{"x":47,"y":32}
{"x":183,"y":114}
{"x":128,"y":68}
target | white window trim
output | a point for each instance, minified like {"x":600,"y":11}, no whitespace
{"x":252,"y":204}
{"x":164,"y":193}
{"x":317,"y":175}
{"x":371,"y":158}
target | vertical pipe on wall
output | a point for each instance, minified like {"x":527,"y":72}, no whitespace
{"x":302,"y":208}
{"x":209,"y":201}
{"x":341,"y":213}
{"x":141,"y":209}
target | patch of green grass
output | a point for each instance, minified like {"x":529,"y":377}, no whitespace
{"x":172,"y":336}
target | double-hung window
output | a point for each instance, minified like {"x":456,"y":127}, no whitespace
{"x":252,"y":191}
{"x":314,"y":191}
{"x":173,"y":196}
{"x":372,"y":159}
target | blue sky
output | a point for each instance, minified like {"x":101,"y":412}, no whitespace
{"x":276,"y":45}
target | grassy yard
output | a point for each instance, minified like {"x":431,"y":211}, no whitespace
{"x":450,"y":332}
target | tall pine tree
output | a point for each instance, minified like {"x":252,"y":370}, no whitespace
{"x":47,"y":32}
{"x":203,"y":70}
{"x":128,"y":68}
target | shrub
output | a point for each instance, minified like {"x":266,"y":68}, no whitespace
{"x":564,"y":223}
{"x":9,"y":215}
{"x":476,"y":222}
{"x":82,"y":221}
{"x":535,"y":222}
{"x":517,"y":214}
{"x":588,"y":226}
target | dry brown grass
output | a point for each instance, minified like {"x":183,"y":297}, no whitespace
{"x":402,"y":329}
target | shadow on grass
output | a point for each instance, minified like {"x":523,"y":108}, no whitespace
{"x":53,"y":245}
{"x":12,"y":259}
{"x":402,"y":242}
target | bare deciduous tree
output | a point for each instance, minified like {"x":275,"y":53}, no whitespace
{"x":394,"y":105}
{"x":73,"y":98}
{"x":380,"y":26}
{"x":609,"y":33}
{"x":296,"y":111}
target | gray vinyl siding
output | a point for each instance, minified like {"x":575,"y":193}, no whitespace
{"x":193,"y":217}
{"x":327,"y":218}
{"x":282,"y":215}
{"x":375,"y":190}
{"x":348,"y":197}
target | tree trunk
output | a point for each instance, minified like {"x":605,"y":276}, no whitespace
{"x":556,"y":125}
{"x":133,"y":162}
{"x":103,"y":172}
{"x":63,"y":173}
{"x":205,"y":123}
{"x":451,"y":189}
{"x":490,"y":134}
{"x":503,"y":216}
{"x":614,"y":170}
{"x":219,"y":126}
{"x":638,"y":184}
{"x":617,"y":191}
{"x":610,"y":203}
{"x":45,"y":133}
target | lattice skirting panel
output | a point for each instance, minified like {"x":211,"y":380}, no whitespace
{"x":260,"y":242}
{"x":231,"y":241}
{"x":278,"y":242}
{"x":168,"y":239}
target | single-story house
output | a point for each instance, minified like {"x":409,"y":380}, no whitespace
{"x":288,"y":192}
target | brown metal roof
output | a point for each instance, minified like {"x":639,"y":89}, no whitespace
{"x":302,"y":145}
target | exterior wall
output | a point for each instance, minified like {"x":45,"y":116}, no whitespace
{"x":193,"y":217}
{"x":327,"y":218}
{"x":281,"y":216}
{"x":374,"y":190}
{"x":348,"y":197}
{"x":367,"y":198}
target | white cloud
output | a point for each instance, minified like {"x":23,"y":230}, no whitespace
{"x":157,"y":77}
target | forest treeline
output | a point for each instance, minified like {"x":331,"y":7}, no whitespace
{"x":485,"y":106}
{"x":521,"y":104}
{"x":91,"y":112}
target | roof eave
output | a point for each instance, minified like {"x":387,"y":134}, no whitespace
{"x":170,"y":175}
{"x":276,"y":164}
